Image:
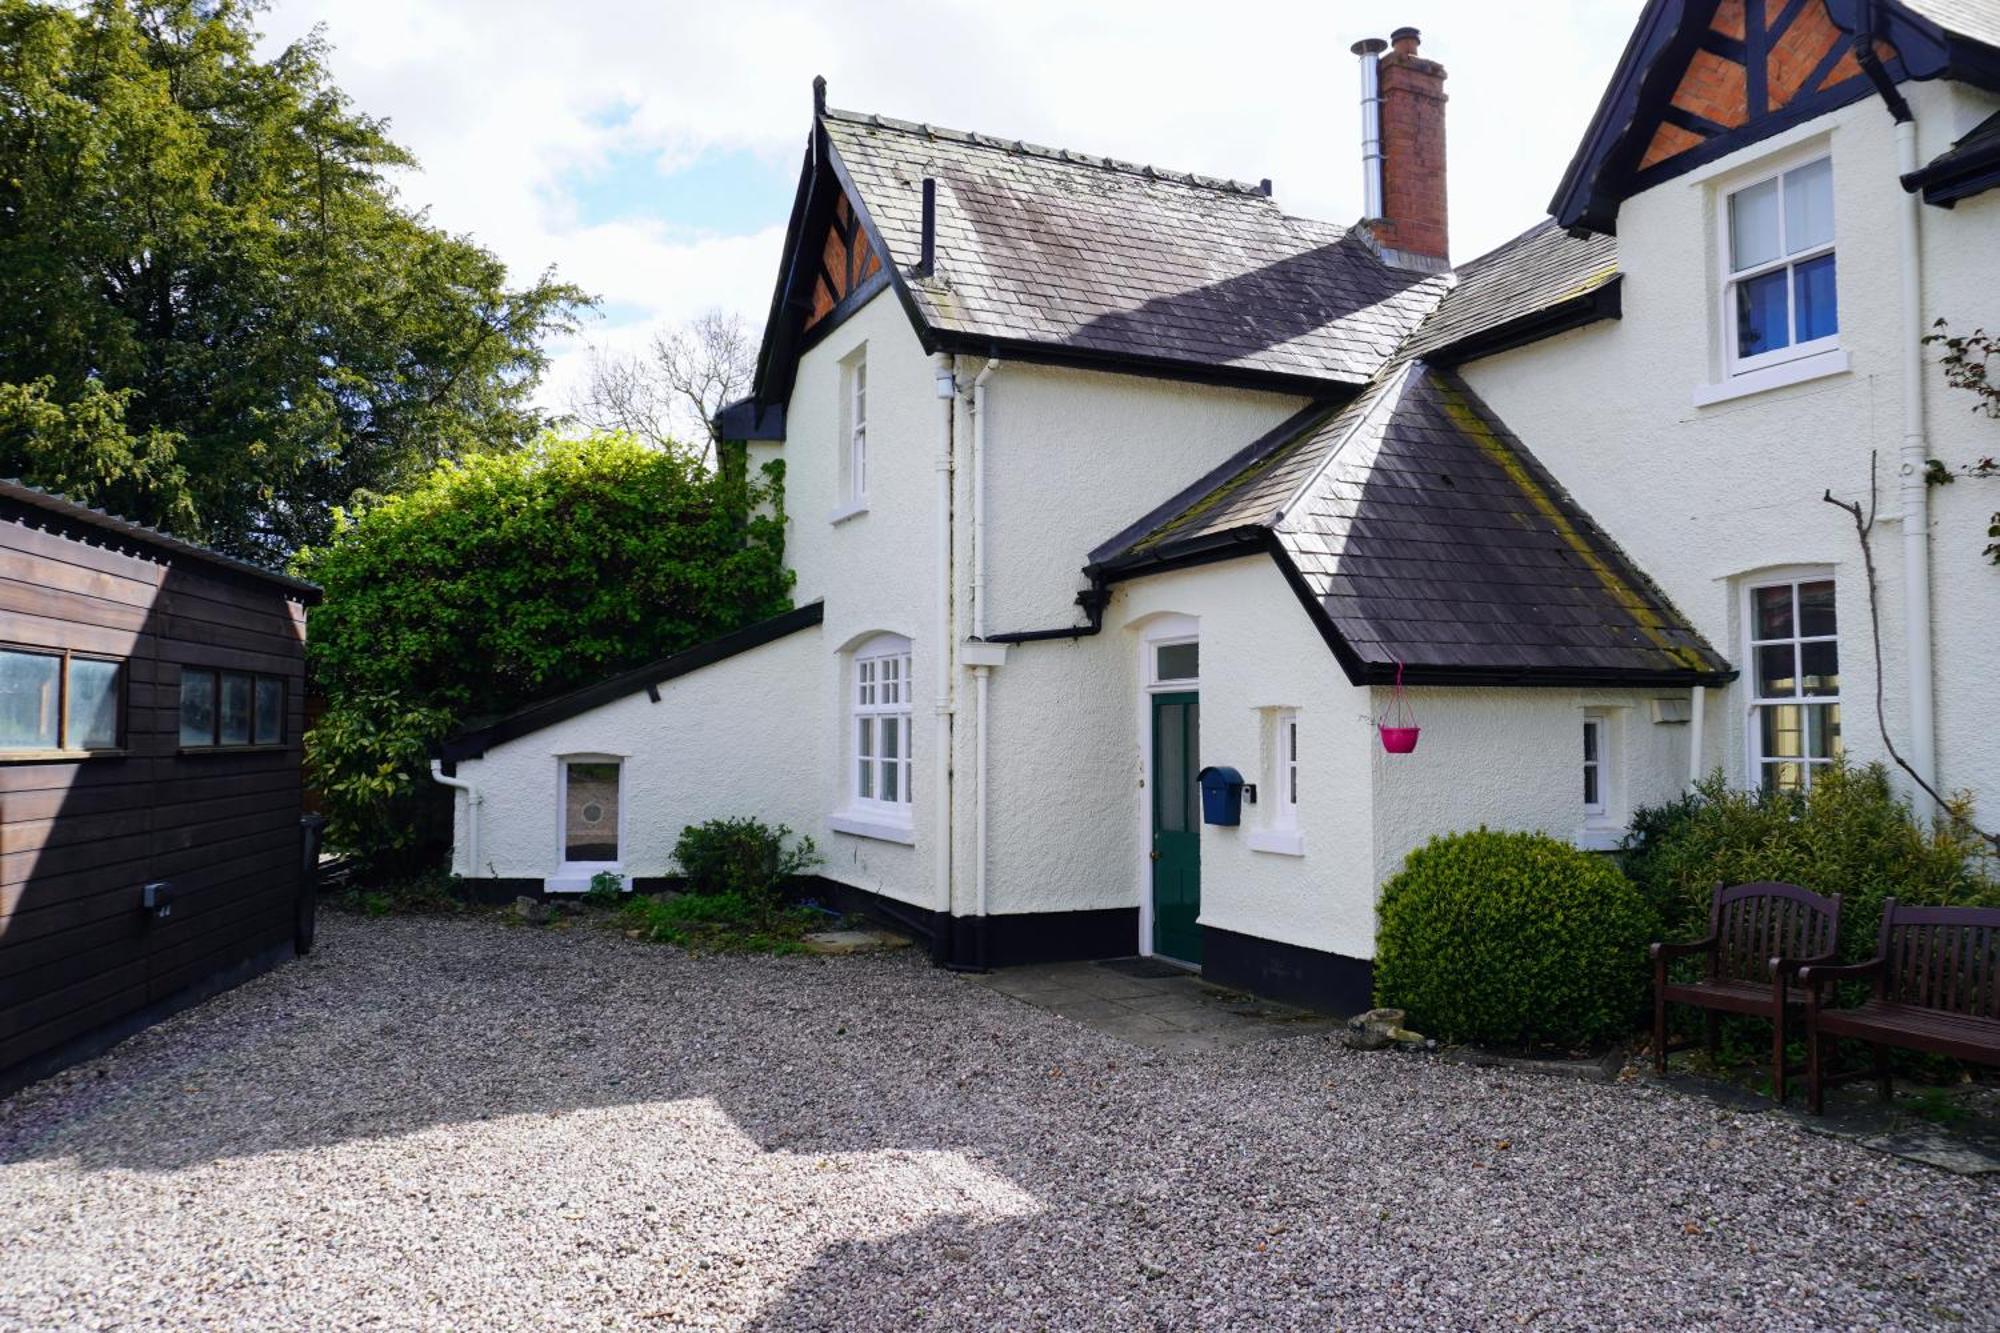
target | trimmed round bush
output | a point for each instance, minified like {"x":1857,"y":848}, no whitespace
{"x":1513,"y":939}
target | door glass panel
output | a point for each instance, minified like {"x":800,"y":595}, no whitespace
{"x":1762,"y":324}
{"x":93,"y":704}
{"x":270,"y":710}
{"x":197,"y":707}
{"x":590,"y":814}
{"x":1809,"y":206}
{"x":1177,"y":661}
{"x":1753,"y":226}
{"x":1173,"y":767}
{"x":30,"y":693}
{"x":235,"y":709}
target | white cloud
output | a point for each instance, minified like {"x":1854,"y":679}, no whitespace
{"x":507,"y":101}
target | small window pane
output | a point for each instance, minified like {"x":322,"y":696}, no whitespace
{"x":1774,"y":612}
{"x":1777,"y":671}
{"x":1590,"y":742}
{"x":1178,"y":661}
{"x":1816,"y":608}
{"x":1590,"y":785}
{"x":1753,"y":226}
{"x":1823,"y":732}
{"x":1814,"y":301}
{"x":197,"y":707}
{"x":1820,"y":668}
{"x":30,"y":694}
{"x":270,"y":710}
{"x":93,"y":704}
{"x":1784,"y":777}
{"x":1809,"y":206}
{"x":1761,"y":320}
{"x":590,"y":815}
{"x":235,"y":708}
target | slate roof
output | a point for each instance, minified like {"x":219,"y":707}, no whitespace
{"x":1084,"y":254}
{"x":1977,"y":19}
{"x":1518,"y":285}
{"x":1419,"y":530}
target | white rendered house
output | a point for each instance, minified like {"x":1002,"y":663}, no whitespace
{"x":1100,"y":475}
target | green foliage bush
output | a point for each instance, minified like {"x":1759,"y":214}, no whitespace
{"x":508,"y":578}
{"x":1850,"y":834}
{"x":745,"y":857}
{"x":1513,"y":939}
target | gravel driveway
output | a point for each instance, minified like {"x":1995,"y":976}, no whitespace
{"x":461,"y":1124}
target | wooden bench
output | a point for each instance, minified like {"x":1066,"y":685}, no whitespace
{"x":1936,"y":975}
{"x":1759,"y":936}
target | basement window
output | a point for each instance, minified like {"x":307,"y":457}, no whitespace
{"x":57,"y":702}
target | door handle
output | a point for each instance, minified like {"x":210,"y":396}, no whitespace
{"x":1154,"y":854}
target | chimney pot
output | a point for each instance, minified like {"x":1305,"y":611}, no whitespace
{"x":1406,"y":41}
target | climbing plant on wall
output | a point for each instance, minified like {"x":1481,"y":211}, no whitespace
{"x":1967,"y":360}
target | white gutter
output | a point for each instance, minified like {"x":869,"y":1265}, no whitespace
{"x":473,"y":800}
{"x":945,"y":367}
{"x":1697,"y":712}
{"x":1915,"y":491}
{"x":984,"y":656}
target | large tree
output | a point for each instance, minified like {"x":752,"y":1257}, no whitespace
{"x":215,"y":315}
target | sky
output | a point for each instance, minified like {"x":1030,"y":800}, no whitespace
{"x":648,"y":151}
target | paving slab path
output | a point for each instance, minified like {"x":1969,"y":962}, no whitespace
{"x":466,"y":1124}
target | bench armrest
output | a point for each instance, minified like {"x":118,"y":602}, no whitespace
{"x":1665,"y":951}
{"x":1782,"y":966}
{"x":1816,"y":975}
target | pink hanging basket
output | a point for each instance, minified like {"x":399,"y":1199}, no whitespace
{"x":1398,"y":723}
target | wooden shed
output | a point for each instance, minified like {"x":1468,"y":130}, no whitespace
{"x":152,"y":849}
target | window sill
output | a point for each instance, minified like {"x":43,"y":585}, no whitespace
{"x":1817,"y":366}
{"x":1278,"y":841}
{"x":191,"y":750}
{"x":577,"y":880}
{"x":852,"y":509}
{"x":881,"y":828}
{"x":1598,"y":837}
{"x":58,"y":756}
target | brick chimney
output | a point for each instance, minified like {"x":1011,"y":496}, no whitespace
{"x":1413,"y":178}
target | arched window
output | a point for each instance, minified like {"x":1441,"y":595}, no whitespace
{"x":882,"y":690}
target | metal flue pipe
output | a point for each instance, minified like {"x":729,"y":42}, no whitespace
{"x":1369,"y":51}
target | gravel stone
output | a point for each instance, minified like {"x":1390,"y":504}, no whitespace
{"x":466,"y":1124}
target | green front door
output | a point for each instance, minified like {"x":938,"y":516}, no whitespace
{"x":1176,"y":826}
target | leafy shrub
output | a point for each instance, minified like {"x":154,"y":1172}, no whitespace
{"x":507,"y":578}
{"x":607,"y":887}
{"x":1851,"y":835}
{"x":1512,"y":938}
{"x":729,"y":922}
{"x":741,"y":856}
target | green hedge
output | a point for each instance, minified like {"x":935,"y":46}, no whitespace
{"x":1513,"y":939}
{"x":1851,"y":835}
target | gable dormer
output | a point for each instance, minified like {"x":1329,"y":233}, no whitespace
{"x":847,"y":261}
{"x":1702,"y":78}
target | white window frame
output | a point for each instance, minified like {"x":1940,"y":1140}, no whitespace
{"x":1167,"y":684}
{"x":1752,"y":676}
{"x":857,"y":430}
{"x":1597,"y":763}
{"x":575,"y":876}
{"x":880,"y":684}
{"x":1732,"y":277}
{"x":1281,"y":833}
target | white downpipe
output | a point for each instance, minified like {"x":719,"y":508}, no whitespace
{"x":1916,"y":493}
{"x":946,"y":368}
{"x":1697,"y":715}
{"x":473,"y":800}
{"x":982,"y":675}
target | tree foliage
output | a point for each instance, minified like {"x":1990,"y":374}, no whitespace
{"x":214,"y":313}
{"x":509,"y":577}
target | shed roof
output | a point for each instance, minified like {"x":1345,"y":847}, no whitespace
{"x":1419,"y":531}
{"x":71,"y":511}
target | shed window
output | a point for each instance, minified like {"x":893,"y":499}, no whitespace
{"x":231,"y":709}
{"x":59,"y":701}
{"x":1780,"y":290}
{"x":590,"y":811}
{"x":884,"y":689}
{"x":1795,"y":682}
